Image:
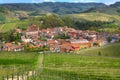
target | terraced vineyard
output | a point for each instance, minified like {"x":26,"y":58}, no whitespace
{"x":66,"y":66}
{"x":17,"y":63}
{"x":99,"y":63}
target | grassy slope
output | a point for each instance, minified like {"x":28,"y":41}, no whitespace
{"x":8,"y":26}
{"x":83,"y":66}
{"x":95,"y":16}
{"x":110,"y":50}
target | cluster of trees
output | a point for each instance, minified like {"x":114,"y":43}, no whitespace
{"x":3,"y":18}
{"x":62,"y":36}
{"x":3,"y":12}
{"x":94,"y":25}
{"x":10,"y":36}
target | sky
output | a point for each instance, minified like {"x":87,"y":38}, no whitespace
{"x":75,"y":1}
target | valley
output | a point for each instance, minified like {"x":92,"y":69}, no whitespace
{"x":59,"y":41}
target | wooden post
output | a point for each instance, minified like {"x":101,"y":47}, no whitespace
{"x":32,"y":73}
{"x":12,"y":76}
{"x":17,"y":76}
{"x":3,"y":78}
{"x":22,"y":77}
{"x":7,"y":77}
{"x":27,"y":75}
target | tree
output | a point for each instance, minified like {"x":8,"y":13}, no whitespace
{"x":52,"y":21}
{"x":109,"y":39}
{"x":99,"y":53}
{"x":69,"y":21}
{"x":10,"y":36}
{"x":17,"y":37}
{"x":62,"y":36}
{"x":3,"y":19}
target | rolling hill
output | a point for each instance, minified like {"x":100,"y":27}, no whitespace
{"x":77,"y":11}
{"x":63,"y":7}
{"x":113,"y":9}
{"x":57,"y":7}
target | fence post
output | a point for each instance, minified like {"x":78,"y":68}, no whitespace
{"x":88,"y":77}
{"x":17,"y":76}
{"x":22,"y":77}
{"x":27,"y":75}
{"x":32,"y":73}
{"x":7,"y":77}
{"x":12,"y":76}
{"x":3,"y":78}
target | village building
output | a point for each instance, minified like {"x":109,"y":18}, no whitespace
{"x":12,"y":47}
{"x":84,"y":43}
{"x":36,"y":38}
{"x":32,"y":31}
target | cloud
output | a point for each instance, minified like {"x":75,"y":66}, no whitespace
{"x":49,"y":0}
{"x":99,"y":1}
{"x":76,"y":1}
{"x":39,"y":1}
{"x":85,"y":0}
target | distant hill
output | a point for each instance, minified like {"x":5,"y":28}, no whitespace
{"x":111,"y":9}
{"x":4,"y":13}
{"x":117,"y":4}
{"x":63,"y":8}
{"x":57,"y":7}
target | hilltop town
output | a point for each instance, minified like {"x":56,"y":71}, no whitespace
{"x":58,"y":39}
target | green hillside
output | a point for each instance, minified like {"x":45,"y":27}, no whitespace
{"x":7,"y":27}
{"x":110,"y":50}
{"x":95,"y":16}
{"x":96,"y":21}
{"x":56,"y":7}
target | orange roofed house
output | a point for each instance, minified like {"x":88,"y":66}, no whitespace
{"x":76,"y":47}
{"x":12,"y":47}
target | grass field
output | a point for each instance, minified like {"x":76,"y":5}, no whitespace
{"x":17,"y":62}
{"x":12,"y":25}
{"x":84,"y":66}
{"x":7,"y":26}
